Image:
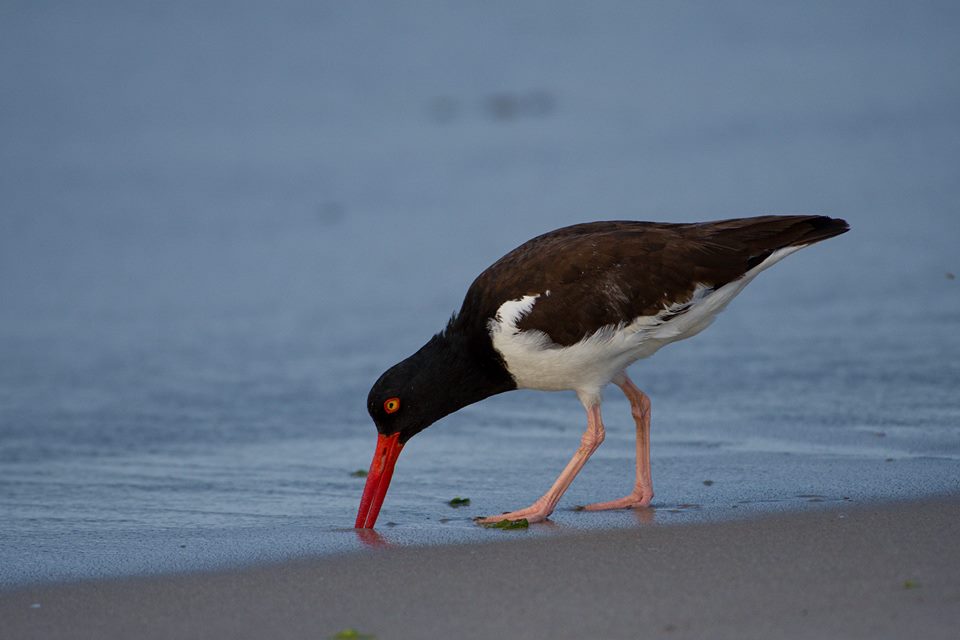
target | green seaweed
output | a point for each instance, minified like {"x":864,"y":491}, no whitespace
{"x":359,"y":473}
{"x":522,"y":523}
{"x":352,"y":634}
{"x":910,"y":584}
{"x":458,"y":502}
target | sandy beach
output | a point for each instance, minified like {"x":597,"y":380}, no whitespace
{"x":889,"y":571}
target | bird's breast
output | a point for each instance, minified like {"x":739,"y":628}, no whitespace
{"x":536,"y":362}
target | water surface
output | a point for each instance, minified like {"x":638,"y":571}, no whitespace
{"x":219,"y":225}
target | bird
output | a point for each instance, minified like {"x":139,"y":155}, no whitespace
{"x":572,"y":309}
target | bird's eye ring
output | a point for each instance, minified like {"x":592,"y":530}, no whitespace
{"x":392,"y":405}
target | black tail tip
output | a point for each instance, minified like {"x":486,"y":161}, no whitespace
{"x":841,"y":225}
{"x":824,"y":227}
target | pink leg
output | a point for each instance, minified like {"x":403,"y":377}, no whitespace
{"x":642,"y":492}
{"x":545,"y":505}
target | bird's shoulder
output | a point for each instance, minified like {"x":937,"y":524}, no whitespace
{"x":571,"y":254}
{"x":591,"y":275}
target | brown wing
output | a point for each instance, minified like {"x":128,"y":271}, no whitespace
{"x":606,"y":273}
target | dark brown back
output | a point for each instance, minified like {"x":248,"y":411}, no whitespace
{"x":607,"y":273}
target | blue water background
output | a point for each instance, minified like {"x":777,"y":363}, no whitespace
{"x":219,"y":223}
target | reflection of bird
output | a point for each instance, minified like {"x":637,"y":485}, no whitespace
{"x":572,"y":309}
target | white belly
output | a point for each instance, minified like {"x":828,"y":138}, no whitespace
{"x":536,"y":362}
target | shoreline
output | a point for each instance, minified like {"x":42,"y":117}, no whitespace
{"x":877,"y":571}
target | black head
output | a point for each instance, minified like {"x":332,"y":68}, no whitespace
{"x":440,"y":378}
{"x":406,"y":399}
{"x":446,"y":374}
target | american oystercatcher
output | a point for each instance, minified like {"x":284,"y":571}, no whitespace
{"x":572,"y":309}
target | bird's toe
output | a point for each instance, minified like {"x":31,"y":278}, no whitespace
{"x":533,"y":513}
{"x":635,"y":499}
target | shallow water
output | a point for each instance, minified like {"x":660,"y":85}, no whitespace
{"x":220,"y":226}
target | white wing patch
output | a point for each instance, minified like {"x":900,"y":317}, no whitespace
{"x":536,"y":362}
{"x":511,"y":311}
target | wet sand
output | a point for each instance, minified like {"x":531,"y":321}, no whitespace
{"x":887,"y":571}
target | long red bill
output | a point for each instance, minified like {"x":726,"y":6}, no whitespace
{"x":378,"y":479}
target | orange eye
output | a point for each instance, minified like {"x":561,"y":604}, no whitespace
{"x":392,"y":405}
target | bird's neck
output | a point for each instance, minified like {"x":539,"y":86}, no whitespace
{"x":468,"y":370}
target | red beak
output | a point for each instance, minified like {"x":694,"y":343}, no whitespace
{"x":378,"y":479}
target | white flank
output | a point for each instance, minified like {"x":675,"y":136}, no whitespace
{"x":536,"y":362}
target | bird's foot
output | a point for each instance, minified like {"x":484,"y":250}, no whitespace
{"x":637,"y":498}
{"x":537,"y":512}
